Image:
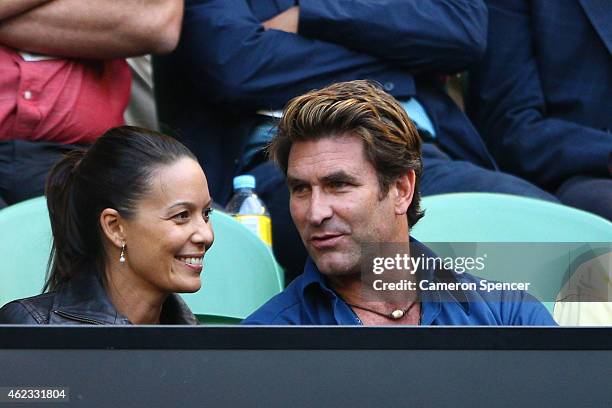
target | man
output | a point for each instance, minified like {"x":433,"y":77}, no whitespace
{"x":353,"y":164}
{"x":240,"y":61}
{"x":64,"y":80}
{"x":542,"y":96}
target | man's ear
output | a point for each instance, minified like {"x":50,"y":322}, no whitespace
{"x":404,"y":191}
{"x":112,"y":226}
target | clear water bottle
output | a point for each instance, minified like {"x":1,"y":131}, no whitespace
{"x":249,"y":210}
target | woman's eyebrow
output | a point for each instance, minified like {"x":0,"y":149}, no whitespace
{"x":189,"y":204}
{"x":181,"y":203}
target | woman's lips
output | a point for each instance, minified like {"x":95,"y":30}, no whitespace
{"x":196,"y":268}
{"x":189,"y":262}
{"x":326,"y":241}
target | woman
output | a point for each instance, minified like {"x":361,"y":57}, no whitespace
{"x":130,"y":223}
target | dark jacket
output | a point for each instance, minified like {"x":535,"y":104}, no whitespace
{"x":542,"y":94}
{"x":227,"y":67}
{"x":83,"y":300}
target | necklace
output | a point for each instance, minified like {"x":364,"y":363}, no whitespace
{"x":394,"y":315}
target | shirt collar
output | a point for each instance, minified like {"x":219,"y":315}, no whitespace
{"x":431,"y":301}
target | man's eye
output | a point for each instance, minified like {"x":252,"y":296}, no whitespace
{"x":206,"y":214}
{"x":338,"y":184}
{"x":300,"y":188}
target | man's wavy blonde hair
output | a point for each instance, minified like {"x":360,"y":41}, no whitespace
{"x":390,"y":139}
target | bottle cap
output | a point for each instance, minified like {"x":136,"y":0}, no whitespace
{"x":244,"y":181}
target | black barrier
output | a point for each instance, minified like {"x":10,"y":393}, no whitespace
{"x":304,"y":338}
{"x":305,"y":366}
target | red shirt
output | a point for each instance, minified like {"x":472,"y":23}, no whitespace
{"x":60,"y":100}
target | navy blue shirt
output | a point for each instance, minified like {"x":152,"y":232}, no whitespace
{"x":308,"y":300}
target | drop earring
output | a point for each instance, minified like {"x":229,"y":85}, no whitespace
{"x":122,"y":256}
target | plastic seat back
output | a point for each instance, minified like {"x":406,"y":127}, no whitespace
{"x":240,"y":274}
{"x":25,"y":244}
{"x":571,"y":236}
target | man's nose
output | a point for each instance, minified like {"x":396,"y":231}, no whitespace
{"x":320,"y":208}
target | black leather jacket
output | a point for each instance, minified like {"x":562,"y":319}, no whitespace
{"x":83,"y":300}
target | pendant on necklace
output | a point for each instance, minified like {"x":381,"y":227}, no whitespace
{"x":397,"y":314}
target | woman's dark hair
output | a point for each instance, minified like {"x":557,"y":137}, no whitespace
{"x":113,"y":173}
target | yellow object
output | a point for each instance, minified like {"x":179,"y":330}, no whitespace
{"x":260,"y":225}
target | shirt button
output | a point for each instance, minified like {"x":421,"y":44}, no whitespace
{"x":27,"y":95}
{"x":389,"y":86}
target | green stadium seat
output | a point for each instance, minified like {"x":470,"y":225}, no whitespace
{"x":25,"y":245}
{"x":487,"y":217}
{"x":240,"y":272}
{"x":479,"y":218}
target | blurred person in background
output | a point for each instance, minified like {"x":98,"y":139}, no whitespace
{"x":586,"y":297}
{"x":64,"y":80}
{"x":131,"y":223}
{"x":240,"y":61}
{"x":542,"y":96}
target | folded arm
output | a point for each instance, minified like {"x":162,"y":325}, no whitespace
{"x":11,"y":8}
{"x":230,"y":55}
{"x":100,"y":29}
{"x":433,"y":35}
